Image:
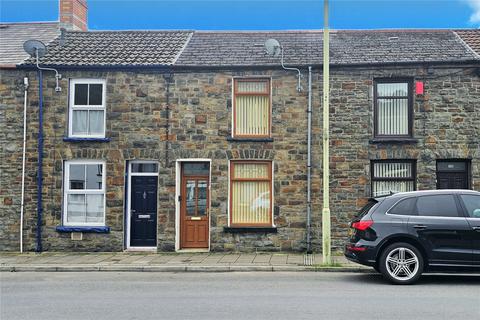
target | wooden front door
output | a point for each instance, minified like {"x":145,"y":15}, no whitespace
{"x":194,"y":208}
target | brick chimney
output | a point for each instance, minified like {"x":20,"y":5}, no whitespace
{"x":73,"y":14}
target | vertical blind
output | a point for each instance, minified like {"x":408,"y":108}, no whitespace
{"x":251,"y":188}
{"x":252,"y":108}
{"x":392,"y":177}
{"x":392,"y":109}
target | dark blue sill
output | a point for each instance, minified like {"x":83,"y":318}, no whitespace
{"x":83,"y":229}
{"x":70,"y":139}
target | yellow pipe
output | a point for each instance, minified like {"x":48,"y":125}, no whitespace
{"x":326,"y":238}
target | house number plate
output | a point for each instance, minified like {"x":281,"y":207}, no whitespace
{"x":196,"y":218}
{"x":143,"y":216}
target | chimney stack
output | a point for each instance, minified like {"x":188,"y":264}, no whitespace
{"x":73,"y":15}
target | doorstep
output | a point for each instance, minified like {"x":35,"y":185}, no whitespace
{"x":141,"y":249}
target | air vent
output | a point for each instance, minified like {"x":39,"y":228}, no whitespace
{"x":77,"y":236}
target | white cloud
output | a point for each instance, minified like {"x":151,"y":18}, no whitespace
{"x":475,"y":5}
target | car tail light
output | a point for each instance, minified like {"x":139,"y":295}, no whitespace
{"x":362,"y":225}
{"x":353,"y":248}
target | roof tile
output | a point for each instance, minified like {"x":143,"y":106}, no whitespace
{"x":119,"y":48}
{"x":13,"y":35}
{"x":471,"y":38}
{"x":305,"y":47}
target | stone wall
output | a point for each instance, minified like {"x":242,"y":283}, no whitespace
{"x":446,"y":126}
{"x":11,"y":136}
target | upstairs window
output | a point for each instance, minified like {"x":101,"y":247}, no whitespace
{"x":392,"y":176}
{"x":251,"y":193}
{"x":84,"y":193}
{"x":87,"y":108}
{"x":251,"y":108}
{"x":393,"y":109}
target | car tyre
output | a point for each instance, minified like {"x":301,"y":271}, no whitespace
{"x":401,"y":263}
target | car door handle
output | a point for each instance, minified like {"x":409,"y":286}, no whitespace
{"x":476,"y":229}
{"x":420,"y":226}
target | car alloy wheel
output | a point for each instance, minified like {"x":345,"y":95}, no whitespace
{"x":401,"y":263}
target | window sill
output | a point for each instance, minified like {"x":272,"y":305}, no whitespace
{"x":400,"y":140}
{"x":250,"y":229}
{"x":72,"y":139}
{"x":83,"y":229}
{"x":231,"y":139}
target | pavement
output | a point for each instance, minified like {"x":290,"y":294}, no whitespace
{"x":172,"y":262}
{"x":234,"y":296}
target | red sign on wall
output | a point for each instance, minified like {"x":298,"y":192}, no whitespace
{"x":419,"y":87}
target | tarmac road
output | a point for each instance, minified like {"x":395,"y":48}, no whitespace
{"x":244,"y":295}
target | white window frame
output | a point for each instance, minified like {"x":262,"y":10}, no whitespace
{"x":67,"y":191}
{"x":73,"y":107}
{"x":129,"y":201}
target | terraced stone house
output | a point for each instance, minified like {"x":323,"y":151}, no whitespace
{"x":193,"y":140}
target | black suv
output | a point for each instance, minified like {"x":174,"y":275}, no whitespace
{"x":404,"y":234}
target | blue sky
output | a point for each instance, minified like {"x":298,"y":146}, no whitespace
{"x":256,"y":15}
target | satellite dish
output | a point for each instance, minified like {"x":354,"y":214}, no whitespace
{"x":33,"y":46}
{"x":273,"y":47}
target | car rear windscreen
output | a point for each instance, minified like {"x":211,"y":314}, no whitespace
{"x":371,"y":203}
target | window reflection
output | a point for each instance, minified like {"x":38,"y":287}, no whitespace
{"x":190,"y":197}
{"x":77,"y":176}
{"x":202,"y":198}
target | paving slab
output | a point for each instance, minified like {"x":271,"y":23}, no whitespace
{"x":183,"y":258}
{"x":230,"y":258}
{"x":161,"y":259}
{"x":212,"y":259}
{"x":295,"y":259}
{"x":198,"y":258}
{"x":279,"y":259}
{"x":262,"y":258}
{"x":245,"y":258}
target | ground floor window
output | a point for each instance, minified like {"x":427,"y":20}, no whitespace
{"x":392,"y":176}
{"x":84,"y":193}
{"x":251,"y":193}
